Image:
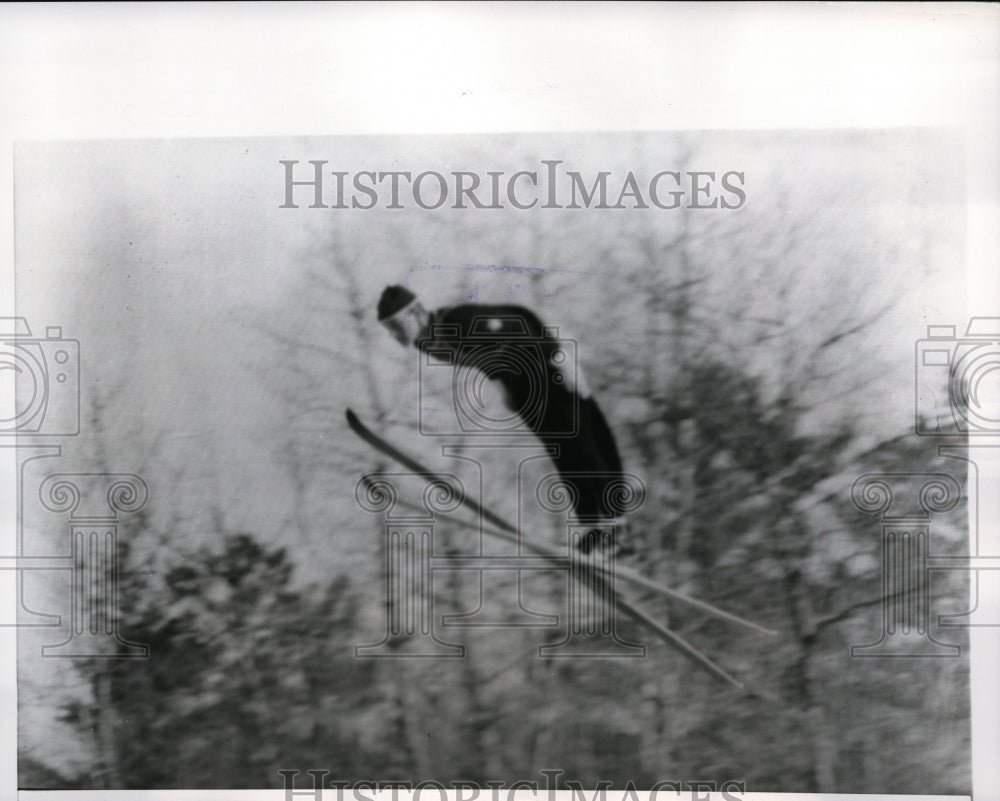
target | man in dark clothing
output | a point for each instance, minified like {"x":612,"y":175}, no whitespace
{"x":541,"y":384}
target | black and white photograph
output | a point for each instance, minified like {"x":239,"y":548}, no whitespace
{"x":603,"y":459}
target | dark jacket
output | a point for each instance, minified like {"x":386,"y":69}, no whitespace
{"x":543,"y":385}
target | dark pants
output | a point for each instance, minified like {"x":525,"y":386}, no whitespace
{"x":589,"y":463}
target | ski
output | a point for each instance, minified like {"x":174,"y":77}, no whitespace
{"x":506,"y":531}
{"x":623,"y":605}
{"x":386,"y":448}
{"x":620,"y":572}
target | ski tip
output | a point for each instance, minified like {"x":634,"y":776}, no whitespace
{"x":351,"y":416}
{"x":768,"y":632}
{"x":760,"y":629}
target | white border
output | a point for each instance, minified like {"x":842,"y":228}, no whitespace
{"x":174,"y":70}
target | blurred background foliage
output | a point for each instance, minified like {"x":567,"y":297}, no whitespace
{"x":752,"y":365}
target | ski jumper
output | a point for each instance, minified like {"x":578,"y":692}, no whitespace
{"x":510,"y":345}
